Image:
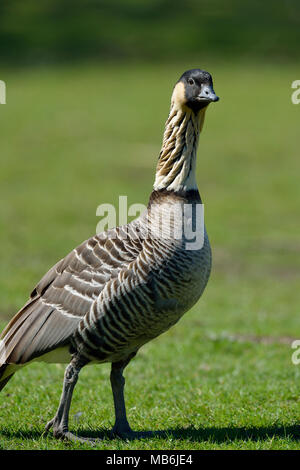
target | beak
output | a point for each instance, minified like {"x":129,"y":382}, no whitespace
{"x":207,"y":94}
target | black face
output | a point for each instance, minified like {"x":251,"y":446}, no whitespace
{"x":199,"y":90}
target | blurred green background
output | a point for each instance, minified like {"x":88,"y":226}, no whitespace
{"x":154,"y":30}
{"x":88,"y":92}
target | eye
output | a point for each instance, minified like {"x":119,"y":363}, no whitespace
{"x":191,"y":81}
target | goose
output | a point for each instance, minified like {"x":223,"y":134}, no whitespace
{"x":127,"y":285}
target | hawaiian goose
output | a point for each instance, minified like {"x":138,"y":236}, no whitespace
{"x":122,"y":288}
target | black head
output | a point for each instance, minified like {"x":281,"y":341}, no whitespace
{"x":195,"y":89}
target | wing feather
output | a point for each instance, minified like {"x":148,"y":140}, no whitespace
{"x":64,"y":295}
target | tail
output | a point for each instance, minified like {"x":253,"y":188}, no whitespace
{"x":6,"y":373}
{"x":37,"y":330}
{"x":7,"y":367}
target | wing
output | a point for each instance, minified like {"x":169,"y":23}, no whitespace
{"x":65,"y":294}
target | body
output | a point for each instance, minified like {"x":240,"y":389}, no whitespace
{"x":122,"y":288}
{"x":164,"y":281}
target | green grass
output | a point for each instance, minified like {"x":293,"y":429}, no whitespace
{"x":73,"y":138}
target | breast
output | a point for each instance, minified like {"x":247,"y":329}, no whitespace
{"x":193,"y":268}
{"x":198,"y":272}
{"x":180,"y":283}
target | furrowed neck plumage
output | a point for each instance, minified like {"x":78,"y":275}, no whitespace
{"x":177,"y":160}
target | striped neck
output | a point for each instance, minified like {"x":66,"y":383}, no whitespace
{"x":177,"y":160}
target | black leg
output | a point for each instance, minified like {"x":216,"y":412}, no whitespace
{"x":121,"y":427}
{"x":60,"y":422}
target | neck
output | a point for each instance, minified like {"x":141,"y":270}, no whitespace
{"x":177,"y":160}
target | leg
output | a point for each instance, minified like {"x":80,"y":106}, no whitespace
{"x":60,"y":420}
{"x":121,"y":427}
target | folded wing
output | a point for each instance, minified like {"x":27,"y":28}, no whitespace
{"x":64,"y":295}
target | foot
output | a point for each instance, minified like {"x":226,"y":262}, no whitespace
{"x":128,"y":434}
{"x":63,"y":433}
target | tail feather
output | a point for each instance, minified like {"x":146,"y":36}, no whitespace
{"x":37,"y":329}
{"x":40,"y":328}
{"x":5,"y":375}
{"x":18,"y":318}
{"x":13,"y":332}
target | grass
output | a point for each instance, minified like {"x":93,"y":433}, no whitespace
{"x":73,"y":138}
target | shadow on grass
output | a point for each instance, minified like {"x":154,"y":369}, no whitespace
{"x":192,"y":434}
{"x":219,"y":435}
